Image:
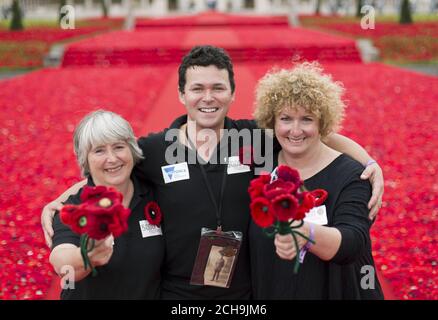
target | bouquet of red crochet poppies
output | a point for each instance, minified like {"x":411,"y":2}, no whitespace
{"x":100,"y":214}
{"x":279,"y":200}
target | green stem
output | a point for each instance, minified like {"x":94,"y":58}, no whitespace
{"x":284,"y":228}
{"x":305,"y":237}
{"x":297,"y":262}
{"x":297,"y":226}
{"x":270,"y":235}
{"x":84,"y":241}
{"x":93,"y":269}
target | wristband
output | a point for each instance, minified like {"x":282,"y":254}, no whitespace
{"x":370,"y":162}
{"x":309,"y":244}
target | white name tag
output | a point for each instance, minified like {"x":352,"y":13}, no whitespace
{"x":149,"y":230}
{"x":234,"y":166}
{"x":317,"y":216}
{"x":175,"y":172}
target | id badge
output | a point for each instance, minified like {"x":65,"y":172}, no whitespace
{"x":217,"y":257}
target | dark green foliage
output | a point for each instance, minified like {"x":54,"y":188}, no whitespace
{"x":61,"y":4}
{"x":17,"y":19}
{"x":405,"y":13}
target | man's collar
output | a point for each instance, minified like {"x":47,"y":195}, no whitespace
{"x":178,"y":122}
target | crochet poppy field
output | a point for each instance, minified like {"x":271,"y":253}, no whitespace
{"x":391,"y":112}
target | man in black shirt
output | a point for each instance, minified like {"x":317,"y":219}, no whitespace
{"x":209,"y":192}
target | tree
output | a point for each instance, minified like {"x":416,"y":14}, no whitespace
{"x":337,"y":6}
{"x":318,"y":7}
{"x":104,"y":6}
{"x":173,"y":5}
{"x":61,"y":14}
{"x":405,"y":13}
{"x":16,"y":21}
{"x":293,"y":14}
{"x":359,"y":7}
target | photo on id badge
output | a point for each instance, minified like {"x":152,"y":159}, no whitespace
{"x":219,"y":267}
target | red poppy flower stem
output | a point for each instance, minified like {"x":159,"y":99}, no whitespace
{"x":284,"y":228}
{"x":297,"y":249}
{"x":270,"y":235}
{"x":87,"y":246}
{"x":297,"y":232}
{"x":297,"y":226}
{"x":84,"y":250}
{"x":305,"y":237}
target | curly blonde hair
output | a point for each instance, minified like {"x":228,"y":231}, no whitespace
{"x":303,"y":86}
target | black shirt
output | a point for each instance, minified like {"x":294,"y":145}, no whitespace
{"x":133,"y":272}
{"x":187,"y":208}
{"x":339,"y":278}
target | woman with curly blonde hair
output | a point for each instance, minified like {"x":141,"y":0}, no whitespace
{"x":303,"y":105}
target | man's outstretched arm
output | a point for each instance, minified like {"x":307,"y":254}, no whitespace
{"x":50,"y":209}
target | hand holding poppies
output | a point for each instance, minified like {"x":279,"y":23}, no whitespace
{"x":102,"y":252}
{"x":279,"y":203}
{"x":100,"y":215}
{"x":285,"y":246}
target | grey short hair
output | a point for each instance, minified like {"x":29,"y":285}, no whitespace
{"x":102,"y":127}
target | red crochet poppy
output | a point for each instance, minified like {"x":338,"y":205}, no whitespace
{"x":120,"y":220}
{"x":289,"y":174}
{"x":307,"y":202}
{"x":256,"y":185}
{"x":75,"y":217}
{"x":153,"y":213}
{"x":320,"y":195}
{"x":285,"y":207}
{"x":278,"y":204}
{"x":100,"y":214}
{"x":99,"y":198}
{"x":278,"y":187}
{"x":261,"y":212}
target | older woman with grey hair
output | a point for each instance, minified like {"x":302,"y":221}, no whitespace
{"x":128,"y":266}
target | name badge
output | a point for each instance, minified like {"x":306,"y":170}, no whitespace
{"x":175,"y":172}
{"x":234,"y":166}
{"x":149,"y":230}
{"x":317,"y":216}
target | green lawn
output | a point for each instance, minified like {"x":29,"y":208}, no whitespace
{"x":312,"y":20}
{"x":47,"y":23}
{"x":31,"y":23}
{"x":413,"y":43}
{"x":23,"y":53}
{"x":415,"y":17}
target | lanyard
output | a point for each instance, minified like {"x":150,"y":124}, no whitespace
{"x":217,"y":207}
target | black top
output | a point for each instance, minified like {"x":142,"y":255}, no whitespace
{"x":187,"y":208}
{"x":133,"y":272}
{"x":339,"y":278}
